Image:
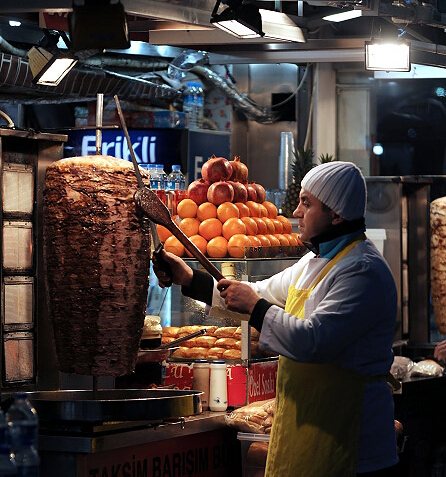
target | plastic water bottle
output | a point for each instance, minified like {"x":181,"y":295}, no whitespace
{"x":8,"y":466}
{"x":23,"y":425}
{"x":193,"y":104}
{"x":176,"y":179}
{"x":162,"y":176}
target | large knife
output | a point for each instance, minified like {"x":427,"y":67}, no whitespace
{"x":158,"y":246}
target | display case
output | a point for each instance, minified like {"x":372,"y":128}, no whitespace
{"x":252,"y":376}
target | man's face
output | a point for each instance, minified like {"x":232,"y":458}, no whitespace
{"x":314,"y":219}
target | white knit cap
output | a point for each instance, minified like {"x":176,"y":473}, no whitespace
{"x":340,"y":186}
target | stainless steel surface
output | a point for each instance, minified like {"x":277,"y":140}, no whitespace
{"x":155,"y":236}
{"x":400,"y":205}
{"x":207,"y":421}
{"x":115,"y":405}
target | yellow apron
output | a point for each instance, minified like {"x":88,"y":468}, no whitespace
{"x":318,"y":409}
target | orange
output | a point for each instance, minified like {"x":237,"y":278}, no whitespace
{"x":297,"y":236}
{"x":237,"y":244}
{"x":199,"y":242}
{"x":271,"y":208}
{"x":163,"y":233}
{"x":217,"y":247}
{"x":173,"y":245}
{"x":227,"y":210}
{"x":189,"y":226}
{"x":263,"y":211}
{"x":210,"y":228}
{"x":291,"y":239}
{"x":278,"y":227}
{"x":187,"y":208}
{"x":233,"y":226}
{"x":282,"y":239}
{"x":251,"y":225}
{"x":269,"y":225}
{"x":206,"y":210}
{"x":254,"y":208}
{"x":255,"y":241}
{"x":273,"y":239}
{"x":264,"y":240}
{"x":243,"y":209}
{"x":286,"y":224}
{"x":261,"y":226}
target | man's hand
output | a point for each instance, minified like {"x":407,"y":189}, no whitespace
{"x":440,"y":351}
{"x":238,"y":296}
{"x":181,"y":272}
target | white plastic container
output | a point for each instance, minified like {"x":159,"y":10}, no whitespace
{"x":218,"y":389}
{"x":201,"y":381}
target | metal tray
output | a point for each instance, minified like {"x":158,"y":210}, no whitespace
{"x":115,"y":404}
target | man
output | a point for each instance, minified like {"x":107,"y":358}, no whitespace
{"x":331,"y":318}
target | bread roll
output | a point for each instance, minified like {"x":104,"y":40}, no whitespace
{"x":225,"y":331}
{"x":188,"y":330}
{"x":238,"y":344}
{"x":216,"y":353}
{"x":181,"y":352}
{"x":197,"y":353}
{"x":225,"y":343}
{"x":232,"y":354}
{"x":189,"y":343}
{"x":210,"y":329}
{"x":171,"y":331}
{"x":257,"y":453}
{"x":205,"y":341}
{"x":254,"y":334}
{"x":167,"y":339}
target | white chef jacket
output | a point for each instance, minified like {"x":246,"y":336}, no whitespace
{"x":350,"y":322}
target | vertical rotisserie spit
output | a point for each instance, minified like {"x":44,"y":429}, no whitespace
{"x":97,"y":258}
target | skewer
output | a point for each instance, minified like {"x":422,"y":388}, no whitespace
{"x":99,"y":115}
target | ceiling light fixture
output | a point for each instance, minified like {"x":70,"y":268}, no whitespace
{"x":343,"y":16}
{"x":50,"y":65}
{"x":97,"y":25}
{"x":242,"y":20}
{"x":387,"y":55}
{"x":280,"y":26}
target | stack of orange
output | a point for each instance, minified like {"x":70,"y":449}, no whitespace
{"x":229,"y":228}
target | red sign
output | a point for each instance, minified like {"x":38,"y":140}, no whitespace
{"x":245,"y":385}
{"x":211,"y":453}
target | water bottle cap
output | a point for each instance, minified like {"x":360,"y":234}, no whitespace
{"x":175,"y":167}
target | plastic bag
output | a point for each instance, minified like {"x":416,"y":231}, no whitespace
{"x":401,"y":367}
{"x":256,"y":417}
{"x":426,"y":368}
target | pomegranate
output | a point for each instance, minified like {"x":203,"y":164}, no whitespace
{"x":240,"y":192}
{"x":252,"y":192}
{"x":220,"y":192}
{"x":261,"y":194}
{"x":239,"y":170}
{"x":197,"y":191}
{"x":216,"y":169}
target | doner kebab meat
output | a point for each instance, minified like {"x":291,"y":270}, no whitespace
{"x":438,"y":261}
{"x":97,"y":258}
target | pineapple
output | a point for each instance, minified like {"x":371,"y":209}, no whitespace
{"x":323,"y":158}
{"x":302,"y":164}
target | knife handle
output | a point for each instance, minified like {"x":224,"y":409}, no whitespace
{"x":162,"y":264}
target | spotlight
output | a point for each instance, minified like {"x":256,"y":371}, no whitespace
{"x":342,"y":16}
{"x":387,"y":55}
{"x":242,"y":20}
{"x":98,"y":25}
{"x":50,"y":65}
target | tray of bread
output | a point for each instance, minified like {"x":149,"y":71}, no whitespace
{"x":219,"y":342}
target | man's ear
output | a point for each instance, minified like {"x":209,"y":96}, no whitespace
{"x":336,"y":219}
